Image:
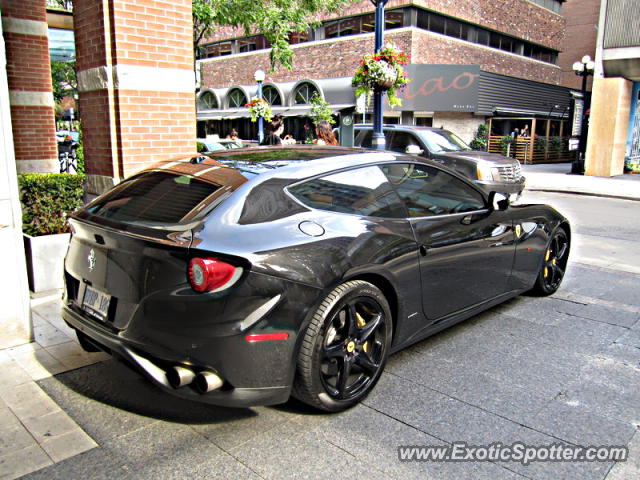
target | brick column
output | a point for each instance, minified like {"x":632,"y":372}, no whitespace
{"x":24,"y":25}
{"x":136,"y":83}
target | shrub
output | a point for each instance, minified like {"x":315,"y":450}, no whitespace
{"x":479,"y":142}
{"x":201,"y":147}
{"x":47,"y":200}
{"x":505,"y":142}
{"x":320,"y":110}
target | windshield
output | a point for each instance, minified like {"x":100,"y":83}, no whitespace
{"x":441,"y":141}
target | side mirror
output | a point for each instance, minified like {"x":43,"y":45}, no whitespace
{"x":498,"y":201}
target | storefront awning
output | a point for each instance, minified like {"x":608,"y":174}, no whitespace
{"x":295,"y":111}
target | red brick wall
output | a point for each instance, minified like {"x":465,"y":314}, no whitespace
{"x":340,"y":58}
{"x":520,"y":18}
{"x":153,"y":33}
{"x":28,"y":70}
{"x":582,"y":28}
{"x":140,"y":126}
{"x":89,"y":31}
{"x":34,"y":133}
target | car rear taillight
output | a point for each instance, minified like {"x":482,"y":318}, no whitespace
{"x":211,"y":274}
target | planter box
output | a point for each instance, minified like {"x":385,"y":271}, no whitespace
{"x":45,"y":260}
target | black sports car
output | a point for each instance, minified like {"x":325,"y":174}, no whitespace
{"x":255,"y":274}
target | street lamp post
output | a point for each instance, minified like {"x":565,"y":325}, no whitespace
{"x":259,"y":77}
{"x":377,"y":139}
{"x":583,"y":69}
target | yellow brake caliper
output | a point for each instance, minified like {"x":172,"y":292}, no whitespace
{"x":546,"y":259}
{"x":361,"y":323}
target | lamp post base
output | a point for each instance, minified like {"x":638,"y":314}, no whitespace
{"x":577,"y":166}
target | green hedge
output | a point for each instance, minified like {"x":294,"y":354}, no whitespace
{"x":47,"y":200}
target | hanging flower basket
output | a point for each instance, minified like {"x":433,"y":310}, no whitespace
{"x":382,"y":71}
{"x":259,"y":107}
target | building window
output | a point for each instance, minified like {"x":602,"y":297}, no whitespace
{"x":271,"y":95}
{"x":207,"y":101}
{"x":303,"y":93}
{"x":434,"y":22}
{"x":553,"y":5}
{"x":237,"y":98}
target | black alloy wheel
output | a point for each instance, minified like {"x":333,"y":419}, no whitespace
{"x":554,"y":264}
{"x":345,"y":347}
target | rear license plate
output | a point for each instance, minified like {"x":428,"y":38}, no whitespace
{"x":96,"y":303}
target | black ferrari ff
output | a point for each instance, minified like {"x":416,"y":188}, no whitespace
{"x":251,"y":275}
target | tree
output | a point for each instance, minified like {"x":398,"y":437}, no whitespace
{"x":275,"y":19}
{"x":63,"y":78}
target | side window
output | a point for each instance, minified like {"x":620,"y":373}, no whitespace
{"x":364,"y":191}
{"x":401,"y":140}
{"x":428,"y":191}
{"x":365,"y":141}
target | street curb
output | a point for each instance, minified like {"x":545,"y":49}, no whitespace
{"x":579,"y":192}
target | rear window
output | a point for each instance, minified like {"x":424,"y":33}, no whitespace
{"x":164,"y":196}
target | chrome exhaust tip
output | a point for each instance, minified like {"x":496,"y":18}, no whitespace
{"x":208,"y":381}
{"x":180,"y":376}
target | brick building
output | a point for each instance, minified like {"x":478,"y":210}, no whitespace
{"x":511,"y":48}
{"x":136,"y":84}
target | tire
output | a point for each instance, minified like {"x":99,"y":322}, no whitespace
{"x":553,"y":266}
{"x":344,"y":348}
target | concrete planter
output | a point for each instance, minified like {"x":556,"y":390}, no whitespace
{"x":45,"y":260}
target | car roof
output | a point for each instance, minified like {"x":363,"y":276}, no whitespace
{"x":395,"y":126}
{"x":291,"y":163}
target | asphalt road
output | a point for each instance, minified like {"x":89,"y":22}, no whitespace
{"x":564,"y":369}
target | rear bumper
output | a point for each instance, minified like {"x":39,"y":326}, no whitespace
{"x":154,"y":368}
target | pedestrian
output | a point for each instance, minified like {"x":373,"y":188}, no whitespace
{"x":525,"y":131}
{"x":276,"y":128}
{"x":233,"y":135}
{"x":515,"y":134}
{"x":325,"y":134}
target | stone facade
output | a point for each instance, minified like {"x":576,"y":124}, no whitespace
{"x":465,"y":125}
{"x":520,"y":18}
{"x":339,"y":58}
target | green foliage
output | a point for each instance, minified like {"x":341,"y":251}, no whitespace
{"x":47,"y":200}
{"x":382,"y":71}
{"x":275,"y":19}
{"x":556,"y":144}
{"x":64,"y":80}
{"x":540,"y":144}
{"x":505,"y":142}
{"x":479,"y":142}
{"x":201,"y":147}
{"x":320,"y":110}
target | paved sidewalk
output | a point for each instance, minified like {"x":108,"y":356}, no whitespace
{"x":556,"y":177}
{"x":36,"y":432}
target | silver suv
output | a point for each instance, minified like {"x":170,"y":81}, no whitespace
{"x":490,"y":171}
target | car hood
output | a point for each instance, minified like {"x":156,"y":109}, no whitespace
{"x":479,"y":155}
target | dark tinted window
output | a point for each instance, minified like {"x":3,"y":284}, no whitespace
{"x":154,"y":197}
{"x":365,"y":191}
{"x":401,"y":140}
{"x":428,"y":191}
{"x":365,"y":140}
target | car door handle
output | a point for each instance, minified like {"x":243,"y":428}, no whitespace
{"x":423,"y":250}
